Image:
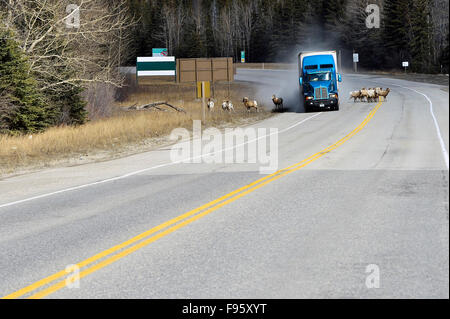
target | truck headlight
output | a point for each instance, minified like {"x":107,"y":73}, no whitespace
{"x":333,"y":96}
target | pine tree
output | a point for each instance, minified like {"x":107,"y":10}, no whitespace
{"x":209,"y":34}
{"x":444,"y":58}
{"x":397,"y":31}
{"x":194,"y":45}
{"x":23,"y":107}
{"x":421,"y":37}
{"x":70,"y":105}
{"x":357,"y":37}
{"x":288,"y":28}
{"x":262,"y":37}
{"x":333,"y":17}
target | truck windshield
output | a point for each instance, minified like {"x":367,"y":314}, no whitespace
{"x":323,"y":76}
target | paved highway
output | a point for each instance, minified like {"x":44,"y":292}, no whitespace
{"x":366,"y":190}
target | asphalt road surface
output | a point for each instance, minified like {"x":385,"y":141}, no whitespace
{"x":366,"y":217}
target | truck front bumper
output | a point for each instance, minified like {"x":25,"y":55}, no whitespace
{"x":322,"y":104}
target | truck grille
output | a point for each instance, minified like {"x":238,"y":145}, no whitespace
{"x":320,"y":93}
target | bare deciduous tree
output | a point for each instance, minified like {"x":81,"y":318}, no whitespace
{"x":60,"y":54}
{"x":171,"y":31}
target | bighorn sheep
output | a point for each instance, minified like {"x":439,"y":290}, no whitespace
{"x":227,"y":106}
{"x":250,"y":104}
{"x":230,"y":106}
{"x":384,"y":93}
{"x":364,"y":94}
{"x":371,"y":95}
{"x":355,"y":95}
{"x":278,"y":101}
{"x":210,"y":104}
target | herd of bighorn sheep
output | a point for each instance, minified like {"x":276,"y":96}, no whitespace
{"x":363,"y":95}
{"x":227,"y":105}
{"x":369,"y":95}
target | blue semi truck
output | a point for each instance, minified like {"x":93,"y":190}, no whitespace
{"x":318,"y":78}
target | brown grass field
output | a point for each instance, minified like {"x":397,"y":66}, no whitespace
{"x":115,"y":134}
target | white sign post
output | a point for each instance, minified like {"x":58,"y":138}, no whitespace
{"x":405,"y":64}
{"x":355,"y":61}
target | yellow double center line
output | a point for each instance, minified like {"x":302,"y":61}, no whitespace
{"x":117,"y":252}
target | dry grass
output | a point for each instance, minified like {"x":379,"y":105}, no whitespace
{"x":124,"y":128}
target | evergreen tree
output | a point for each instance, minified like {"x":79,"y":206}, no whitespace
{"x":397,"y":32}
{"x":421,"y":37}
{"x":288,"y":28}
{"x":194,"y":44}
{"x":333,"y":15}
{"x":357,"y":37}
{"x":69,"y":104}
{"x":262,"y":37}
{"x":22,"y":107}
{"x":208,"y":12}
{"x":444,"y":57}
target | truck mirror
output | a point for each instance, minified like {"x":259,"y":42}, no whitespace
{"x":339,"y":78}
{"x":300,"y":80}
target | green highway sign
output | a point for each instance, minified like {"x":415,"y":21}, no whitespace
{"x":155,"y":66}
{"x":156,"y":52}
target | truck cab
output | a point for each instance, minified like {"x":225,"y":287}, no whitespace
{"x":318,"y":79}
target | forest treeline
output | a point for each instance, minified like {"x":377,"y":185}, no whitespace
{"x":275,"y":30}
{"x":56,"y":69}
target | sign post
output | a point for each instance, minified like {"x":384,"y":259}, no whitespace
{"x":405,"y":64}
{"x":203,"y":103}
{"x":203,"y":92}
{"x":242,"y":56}
{"x":355,"y":62}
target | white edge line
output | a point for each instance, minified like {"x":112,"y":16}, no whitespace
{"x":149,"y":168}
{"x":436,"y":124}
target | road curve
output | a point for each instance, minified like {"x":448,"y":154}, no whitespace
{"x":369,"y":186}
